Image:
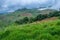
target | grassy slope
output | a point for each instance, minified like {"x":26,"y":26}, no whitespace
{"x":36,"y":31}
{"x":6,"y":19}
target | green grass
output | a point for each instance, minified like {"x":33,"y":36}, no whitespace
{"x":35,"y":31}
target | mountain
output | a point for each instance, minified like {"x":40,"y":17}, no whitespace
{"x":10,"y":17}
{"x":46,"y":29}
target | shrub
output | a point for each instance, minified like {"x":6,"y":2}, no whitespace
{"x":19,"y":22}
{"x":31,"y":19}
{"x":54,"y":14}
{"x":39,"y":17}
{"x":25,"y":20}
{"x":22,"y":21}
{"x":50,"y":15}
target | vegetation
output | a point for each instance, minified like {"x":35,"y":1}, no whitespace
{"x":38,"y":17}
{"x":35,"y":31}
{"x":8,"y":18}
{"x":26,"y":24}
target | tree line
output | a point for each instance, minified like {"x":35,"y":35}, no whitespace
{"x":39,"y":17}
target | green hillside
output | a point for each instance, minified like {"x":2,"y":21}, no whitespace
{"x":8,"y":18}
{"x":49,"y":30}
{"x":30,"y":24}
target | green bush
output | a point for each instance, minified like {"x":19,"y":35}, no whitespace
{"x":31,"y":19}
{"x":19,"y":22}
{"x":39,"y":17}
{"x":25,"y":20}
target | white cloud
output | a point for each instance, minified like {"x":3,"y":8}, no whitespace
{"x":56,"y":5}
{"x":15,"y":4}
{"x":24,"y":2}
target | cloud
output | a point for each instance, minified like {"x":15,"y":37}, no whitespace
{"x":56,"y":5}
{"x":9,"y":5}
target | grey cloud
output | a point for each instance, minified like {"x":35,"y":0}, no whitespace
{"x":10,"y":5}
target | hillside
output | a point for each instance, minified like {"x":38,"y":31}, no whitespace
{"x":30,"y":25}
{"x":8,"y":18}
{"x":29,"y":20}
{"x":49,"y":30}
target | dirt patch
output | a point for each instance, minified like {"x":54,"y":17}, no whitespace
{"x":50,"y":19}
{"x":26,"y":14}
{"x":46,"y":20}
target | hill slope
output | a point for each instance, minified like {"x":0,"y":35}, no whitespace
{"x":49,"y":30}
{"x":8,"y":18}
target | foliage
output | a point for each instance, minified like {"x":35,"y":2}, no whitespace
{"x":39,"y":17}
{"x":30,"y":31}
{"x":11,"y":17}
{"x":35,"y":31}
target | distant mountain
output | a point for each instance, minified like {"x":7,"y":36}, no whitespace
{"x":7,"y":18}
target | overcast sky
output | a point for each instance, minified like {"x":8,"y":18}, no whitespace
{"x":11,"y":5}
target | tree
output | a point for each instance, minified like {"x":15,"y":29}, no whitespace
{"x":44,"y":16}
{"x":40,"y":17}
{"x":19,"y":22}
{"x":31,"y":19}
{"x":56,"y":13}
{"x":50,"y":15}
{"x":25,"y":20}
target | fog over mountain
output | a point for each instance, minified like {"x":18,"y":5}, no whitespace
{"x":11,"y":5}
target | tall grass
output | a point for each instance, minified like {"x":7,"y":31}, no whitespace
{"x":34,"y":31}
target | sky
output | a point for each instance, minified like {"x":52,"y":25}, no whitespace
{"x":12,"y":5}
